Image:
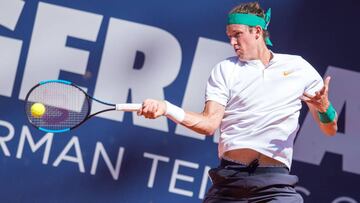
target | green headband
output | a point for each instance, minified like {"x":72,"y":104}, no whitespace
{"x":251,"y":20}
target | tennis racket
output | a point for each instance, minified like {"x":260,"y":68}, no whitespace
{"x":64,"y":106}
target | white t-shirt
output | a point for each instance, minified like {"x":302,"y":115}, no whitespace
{"x":262,"y":104}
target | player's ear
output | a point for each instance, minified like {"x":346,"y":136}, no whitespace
{"x":258,"y":31}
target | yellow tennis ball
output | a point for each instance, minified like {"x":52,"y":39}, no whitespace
{"x":38,"y":110}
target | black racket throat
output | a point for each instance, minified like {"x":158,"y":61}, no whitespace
{"x":89,"y":115}
{"x":92,"y":115}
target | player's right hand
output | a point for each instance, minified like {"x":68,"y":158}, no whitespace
{"x":152,"y":109}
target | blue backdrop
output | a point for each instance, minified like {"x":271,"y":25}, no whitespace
{"x":130,"y":50}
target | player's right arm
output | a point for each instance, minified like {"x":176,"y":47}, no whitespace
{"x":205,"y":122}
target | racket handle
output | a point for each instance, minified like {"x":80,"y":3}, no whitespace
{"x":128,"y":107}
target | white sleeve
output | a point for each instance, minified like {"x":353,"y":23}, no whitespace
{"x":216,"y":88}
{"x":314,"y":80}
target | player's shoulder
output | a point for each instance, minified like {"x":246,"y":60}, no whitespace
{"x":227,"y":63}
{"x":226,"y":66}
{"x":296,"y":61}
{"x":288,"y":57}
{"x":291,"y":58}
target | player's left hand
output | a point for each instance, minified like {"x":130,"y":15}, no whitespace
{"x":320,"y":100}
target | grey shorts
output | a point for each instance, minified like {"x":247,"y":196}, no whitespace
{"x":235,"y":183}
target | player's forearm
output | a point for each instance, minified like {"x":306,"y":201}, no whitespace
{"x":328,"y":119}
{"x":329,"y":128}
{"x":204,"y":123}
{"x":200,"y":123}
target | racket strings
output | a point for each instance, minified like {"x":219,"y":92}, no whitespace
{"x":65,"y":106}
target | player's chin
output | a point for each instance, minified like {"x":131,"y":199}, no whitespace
{"x":239,"y":52}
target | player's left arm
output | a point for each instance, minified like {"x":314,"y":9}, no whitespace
{"x":321,"y":109}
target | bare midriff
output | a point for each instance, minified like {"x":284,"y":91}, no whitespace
{"x":246,"y":156}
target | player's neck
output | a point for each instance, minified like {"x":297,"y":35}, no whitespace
{"x":264,"y":54}
{"x":261,"y":53}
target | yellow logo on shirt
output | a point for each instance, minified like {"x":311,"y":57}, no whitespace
{"x":288,"y":72}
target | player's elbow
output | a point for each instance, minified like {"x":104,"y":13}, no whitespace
{"x":210,"y":132}
{"x":207,"y":126}
{"x":207,"y":131}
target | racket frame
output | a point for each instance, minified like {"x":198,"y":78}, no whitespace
{"x":88,"y":98}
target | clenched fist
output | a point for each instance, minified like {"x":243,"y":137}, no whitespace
{"x":152,"y":109}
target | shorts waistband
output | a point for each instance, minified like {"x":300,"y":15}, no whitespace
{"x":253,"y":167}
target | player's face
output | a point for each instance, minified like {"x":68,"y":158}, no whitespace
{"x":242,"y":40}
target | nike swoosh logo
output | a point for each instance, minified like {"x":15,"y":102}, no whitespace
{"x":286,"y":73}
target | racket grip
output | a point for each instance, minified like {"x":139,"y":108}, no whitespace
{"x":128,"y":107}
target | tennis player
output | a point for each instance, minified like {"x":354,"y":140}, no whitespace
{"x":255,"y":98}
